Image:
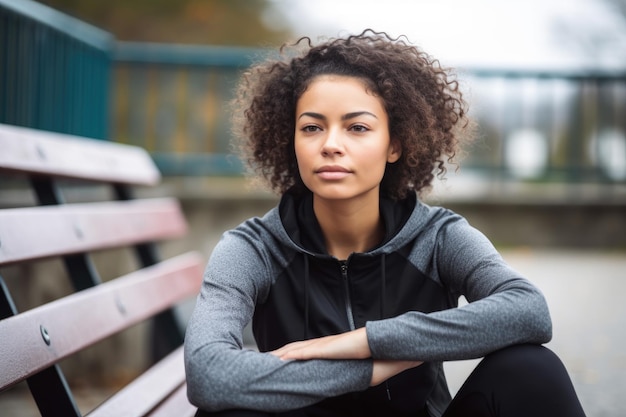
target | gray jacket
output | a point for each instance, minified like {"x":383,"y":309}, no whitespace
{"x":274,"y":272}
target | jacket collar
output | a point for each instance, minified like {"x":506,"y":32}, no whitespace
{"x":298,"y":219}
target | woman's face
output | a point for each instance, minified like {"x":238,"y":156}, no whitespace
{"x":342,"y":139}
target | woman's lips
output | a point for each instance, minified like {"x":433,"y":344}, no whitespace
{"x":332,"y":172}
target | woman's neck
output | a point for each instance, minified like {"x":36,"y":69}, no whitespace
{"x":349,"y":226}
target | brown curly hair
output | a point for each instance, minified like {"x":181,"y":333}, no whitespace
{"x":426,"y":110}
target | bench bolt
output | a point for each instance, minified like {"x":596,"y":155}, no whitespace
{"x":45,"y":335}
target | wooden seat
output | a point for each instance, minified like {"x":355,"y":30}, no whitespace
{"x":36,"y":340}
{"x":161,"y":391}
{"x":65,"y":229}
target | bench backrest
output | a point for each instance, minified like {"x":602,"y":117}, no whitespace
{"x":34,"y":341}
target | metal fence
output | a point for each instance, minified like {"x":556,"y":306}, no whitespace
{"x":550,"y":126}
{"x":533,"y":126}
{"x":60,"y":74}
{"x":54,"y":70}
{"x":173,"y":101}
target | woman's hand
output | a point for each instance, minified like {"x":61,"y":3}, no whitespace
{"x":350,"y":345}
{"x":385,"y":369}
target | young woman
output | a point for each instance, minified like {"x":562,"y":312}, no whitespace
{"x":351,"y":283}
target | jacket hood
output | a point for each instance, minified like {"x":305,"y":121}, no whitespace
{"x":294,"y":223}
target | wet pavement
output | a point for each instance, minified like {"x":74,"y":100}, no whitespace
{"x":585,"y":291}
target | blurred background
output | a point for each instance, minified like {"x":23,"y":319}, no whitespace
{"x":545,"y":180}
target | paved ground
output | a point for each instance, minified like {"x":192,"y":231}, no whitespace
{"x":585,"y":291}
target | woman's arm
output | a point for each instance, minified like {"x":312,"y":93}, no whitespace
{"x":350,"y":345}
{"x":221,"y":374}
{"x":504,"y":308}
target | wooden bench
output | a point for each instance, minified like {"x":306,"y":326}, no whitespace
{"x":33,"y":342}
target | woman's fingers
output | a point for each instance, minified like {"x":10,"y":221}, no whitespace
{"x":281,"y":352}
{"x":350,"y":345}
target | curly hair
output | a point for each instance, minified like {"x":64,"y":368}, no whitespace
{"x":425,"y":108}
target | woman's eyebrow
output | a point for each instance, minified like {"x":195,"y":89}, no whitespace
{"x":313,"y":115}
{"x":357,"y":114}
{"x":346,"y":116}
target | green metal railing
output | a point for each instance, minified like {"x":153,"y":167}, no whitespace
{"x":54,"y":70}
{"x":173,"y":101}
{"x":59,"y":74}
{"x":559,"y":126}
{"x":551,"y":126}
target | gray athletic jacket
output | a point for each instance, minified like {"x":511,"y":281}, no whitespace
{"x":275,"y":272}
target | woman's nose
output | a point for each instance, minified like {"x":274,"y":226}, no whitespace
{"x":332,"y":143}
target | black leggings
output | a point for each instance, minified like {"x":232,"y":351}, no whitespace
{"x":522,"y":380}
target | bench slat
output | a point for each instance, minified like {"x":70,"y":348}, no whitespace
{"x":38,"y":232}
{"x":81,"y":319}
{"x":54,"y":154}
{"x":176,"y":405}
{"x":165,"y":380}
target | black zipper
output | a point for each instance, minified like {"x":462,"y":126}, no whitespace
{"x":346,"y":286}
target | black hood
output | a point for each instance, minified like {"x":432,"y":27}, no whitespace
{"x":300,"y":223}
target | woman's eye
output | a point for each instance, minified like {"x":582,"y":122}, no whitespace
{"x":310,"y":128}
{"x":359,"y":128}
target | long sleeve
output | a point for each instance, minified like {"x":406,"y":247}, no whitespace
{"x":221,"y":374}
{"x":504,"y":308}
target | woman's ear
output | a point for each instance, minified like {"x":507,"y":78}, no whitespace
{"x":394,"y":152}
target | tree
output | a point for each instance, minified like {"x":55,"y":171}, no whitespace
{"x":217,"y":22}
